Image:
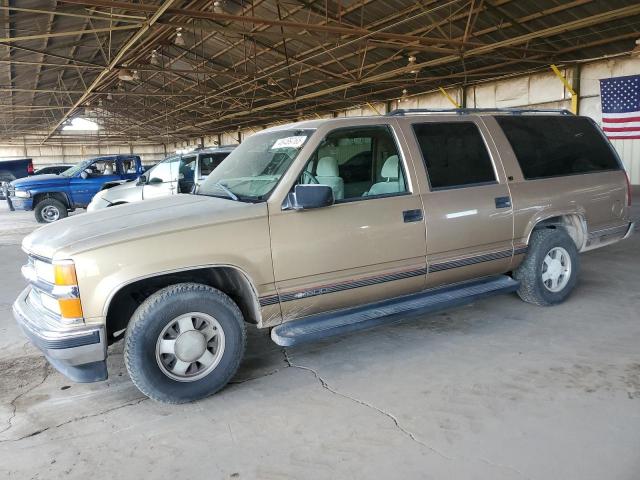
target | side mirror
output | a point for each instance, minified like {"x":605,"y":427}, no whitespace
{"x":142,"y":179}
{"x":154,"y":181}
{"x":84,"y":175}
{"x":308,"y":196}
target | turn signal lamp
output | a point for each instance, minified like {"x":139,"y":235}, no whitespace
{"x":64,"y":275}
{"x":70,"y":308}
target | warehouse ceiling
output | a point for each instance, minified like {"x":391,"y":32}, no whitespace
{"x":176,"y":69}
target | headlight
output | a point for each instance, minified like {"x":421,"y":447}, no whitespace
{"x":22,"y":193}
{"x":59,"y":284}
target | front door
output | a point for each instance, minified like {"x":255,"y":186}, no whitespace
{"x":370,"y":245}
{"x":467,"y":200}
{"x":99,"y":173}
{"x":162,"y":179}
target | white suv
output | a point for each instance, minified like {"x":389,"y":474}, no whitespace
{"x":176,"y":174}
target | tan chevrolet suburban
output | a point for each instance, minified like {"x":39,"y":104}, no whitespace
{"x":322,"y":228}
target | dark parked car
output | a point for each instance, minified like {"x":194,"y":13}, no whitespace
{"x":12,"y":169}
{"x":52,"y":169}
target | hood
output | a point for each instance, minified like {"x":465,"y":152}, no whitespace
{"x":122,"y":187}
{"x":122,"y":223}
{"x":40,"y":181}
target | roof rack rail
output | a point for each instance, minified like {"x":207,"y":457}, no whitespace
{"x":466,"y":111}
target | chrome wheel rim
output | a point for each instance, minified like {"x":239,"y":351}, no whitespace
{"x":556,"y":269}
{"x":50,"y":213}
{"x":190,"y":346}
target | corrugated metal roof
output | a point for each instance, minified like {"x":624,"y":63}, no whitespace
{"x":245,"y":71}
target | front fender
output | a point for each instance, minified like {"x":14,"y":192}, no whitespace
{"x":61,"y":193}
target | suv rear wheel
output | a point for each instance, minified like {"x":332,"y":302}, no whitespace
{"x":549,"y":272}
{"x":50,"y":210}
{"x":184,"y":342}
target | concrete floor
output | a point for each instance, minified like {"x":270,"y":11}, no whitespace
{"x":497,"y":390}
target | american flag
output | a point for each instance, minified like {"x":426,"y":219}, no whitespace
{"x":621,"y":106}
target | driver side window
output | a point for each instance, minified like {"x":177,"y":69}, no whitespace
{"x":357,"y":163}
{"x":165,"y":171}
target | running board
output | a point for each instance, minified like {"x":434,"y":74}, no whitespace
{"x":341,"y":322}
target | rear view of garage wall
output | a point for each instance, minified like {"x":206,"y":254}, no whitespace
{"x":542,"y":89}
{"x":536,"y":90}
{"x":70,"y":154}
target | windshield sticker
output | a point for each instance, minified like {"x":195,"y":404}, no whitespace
{"x":289,"y":142}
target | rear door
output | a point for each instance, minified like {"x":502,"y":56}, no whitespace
{"x":128,"y":168}
{"x":467,"y":203}
{"x":186,"y":174}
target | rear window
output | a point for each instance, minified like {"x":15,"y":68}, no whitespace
{"x":556,"y":146}
{"x":455,"y":155}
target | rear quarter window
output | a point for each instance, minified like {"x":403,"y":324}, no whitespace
{"x":556,"y":146}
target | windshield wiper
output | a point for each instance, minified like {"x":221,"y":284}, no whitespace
{"x":232,"y":195}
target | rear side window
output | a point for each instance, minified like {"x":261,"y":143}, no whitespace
{"x":209,"y":162}
{"x":455,"y":154}
{"x":556,"y":146}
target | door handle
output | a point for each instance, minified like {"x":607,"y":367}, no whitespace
{"x":503,"y":202}
{"x":412,"y":216}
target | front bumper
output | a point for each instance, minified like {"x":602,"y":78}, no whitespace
{"x":19,"y":203}
{"x":632,"y":227}
{"x":79,"y":353}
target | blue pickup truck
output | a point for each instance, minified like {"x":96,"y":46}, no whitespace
{"x":52,"y":197}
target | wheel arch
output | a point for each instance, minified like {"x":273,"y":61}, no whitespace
{"x":60,"y":196}
{"x":229,"y":279}
{"x":573,"y":223}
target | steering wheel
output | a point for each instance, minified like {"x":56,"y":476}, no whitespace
{"x":310,"y":176}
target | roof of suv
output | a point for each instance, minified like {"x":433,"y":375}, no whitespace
{"x":220,"y":149}
{"x":420,"y":112}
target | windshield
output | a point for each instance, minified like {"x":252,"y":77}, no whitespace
{"x":254,"y":169}
{"x":76,"y":169}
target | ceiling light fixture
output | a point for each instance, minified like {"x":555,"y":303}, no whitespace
{"x":154,"y":58}
{"x":218,"y":6}
{"x":179,"y":40}
{"x":124,"y":74}
{"x":271,"y":82}
{"x":109,"y":96}
{"x":412,"y":62}
{"x":135,"y":76}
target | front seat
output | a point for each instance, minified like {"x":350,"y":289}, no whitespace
{"x":108,"y":169}
{"x":391,"y":173}
{"x":327,"y":174}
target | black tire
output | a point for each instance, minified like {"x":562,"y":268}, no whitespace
{"x":529,"y":273}
{"x":49,"y":204}
{"x":150,"y":319}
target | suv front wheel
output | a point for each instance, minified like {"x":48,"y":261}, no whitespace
{"x":184,"y":342}
{"x":549,"y":272}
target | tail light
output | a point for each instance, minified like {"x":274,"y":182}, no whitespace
{"x":30,"y":167}
{"x":626,"y":176}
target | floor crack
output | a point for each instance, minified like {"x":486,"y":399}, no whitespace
{"x":13,"y":403}
{"x":392,"y":417}
{"x":76,"y":419}
{"x":499,"y":465}
{"x":244,"y":380}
